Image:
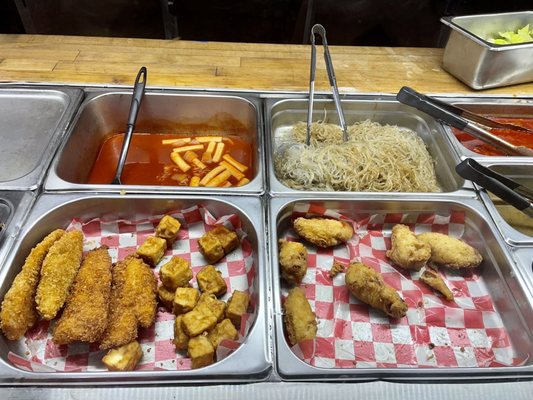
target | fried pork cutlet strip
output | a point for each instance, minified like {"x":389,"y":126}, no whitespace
{"x":133,"y":301}
{"x":57,"y":274}
{"x":293,"y":261}
{"x":86,"y":310}
{"x":323,"y":232}
{"x":18,"y":312}
{"x":300,"y":320}
{"x":432,"y":278}
{"x":447,"y":251}
{"x":368,"y":286}
{"x":407,"y":250}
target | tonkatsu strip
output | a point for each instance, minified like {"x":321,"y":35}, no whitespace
{"x":85,"y":315}
{"x":18,"y":312}
{"x":133,"y":301}
{"x":57,"y":274}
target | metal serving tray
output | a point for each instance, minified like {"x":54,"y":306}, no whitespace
{"x":32,"y":123}
{"x":481,"y":64}
{"x":492,"y":107}
{"x":250,"y":362}
{"x":504,"y":282}
{"x":524,"y":260}
{"x":104,"y":112}
{"x":14,"y":205}
{"x":281,"y":114}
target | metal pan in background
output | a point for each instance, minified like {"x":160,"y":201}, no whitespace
{"x":281,"y":113}
{"x":32,"y":123}
{"x":103,"y":113}
{"x":250,"y":362}
{"x":480,"y":64}
{"x":508,"y":289}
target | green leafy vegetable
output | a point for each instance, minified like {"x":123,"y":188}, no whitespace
{"x":522,"y":35}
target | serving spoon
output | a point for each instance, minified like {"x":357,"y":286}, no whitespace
{"x":138,"y":93}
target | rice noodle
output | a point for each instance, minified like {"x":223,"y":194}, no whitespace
{"x":376,"y":158}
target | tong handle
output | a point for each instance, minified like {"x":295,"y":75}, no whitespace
{"x":138,"y":93}
{"x":498,"y":184}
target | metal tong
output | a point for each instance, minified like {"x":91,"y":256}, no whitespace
{"x":451,"y":115}
{"x":138,"y":93}
{"x":510,"y":191}
{"x":319,"y":30}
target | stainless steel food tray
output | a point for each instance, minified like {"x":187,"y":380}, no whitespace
{"x":33,"y":120}
{"x":524,"y":260}
{"x":481,"y":64}
{"x":506,"y":107}
{"x":250,"y":362}
{"x":162,"y":111}
{"x":282,"y":113}
{"x":506,"y":284}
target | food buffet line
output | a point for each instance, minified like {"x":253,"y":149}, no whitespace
{"x":234,"y":253}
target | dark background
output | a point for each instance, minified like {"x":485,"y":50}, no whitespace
{"x":413,"y":23}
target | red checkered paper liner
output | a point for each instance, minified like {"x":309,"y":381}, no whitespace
{"x":37,"y":352}
{"x":466,"y":332}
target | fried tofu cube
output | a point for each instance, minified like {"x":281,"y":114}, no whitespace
{"x":211,"y":248}
{"x":237,"y":306}
{"x":123,"y":358}
{"x":181,"y":340}
{"x":228,"y":239}
{"x":168,"y":229}
{"x":176,"y":273}
{"x":223,"y":330}
{"x":184,"y":300}
{"x":210,"y":280}
{"x":198,"y":321}
{"x":166,"y":297}
{"x":152,"y":250}
{"x":216,"y":306}
{"x":201,"y":352}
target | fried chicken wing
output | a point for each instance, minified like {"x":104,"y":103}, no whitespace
{"x":86,"y":310}
{"x":368,"y":286}
{"x":293,"y":261}
{"x":432,"y":278}
{"x":18,"y":312}
{"x":323,"y":232}
{"x":407,"y":251}
{"x":133,"y":301}
{"x":447,"y":251}
{"x":300,"y":320}
{"x":57,"y":274}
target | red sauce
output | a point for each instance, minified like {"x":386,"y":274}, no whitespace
{"x":515,"y":137}
{"x":149,"y":163}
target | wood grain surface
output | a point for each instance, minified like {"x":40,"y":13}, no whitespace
{"x":218,"y":65}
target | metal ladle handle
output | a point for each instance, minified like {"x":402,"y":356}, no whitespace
{"x":138,"y":93}
{"x":321,"y":31}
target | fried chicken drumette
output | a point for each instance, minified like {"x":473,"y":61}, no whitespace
{"x":293,"y":261}
{"x":300,"y":320}
{"x":450,"y":252}
{"x":407,"y":250}
{"x":323,"y":232}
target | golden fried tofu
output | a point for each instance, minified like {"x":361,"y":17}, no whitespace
{"x":432,"y":278}
{"x":199,"y":320}
{"x":218,"y":242}
{"x":185,"y":300}
{"x":181,"y":340}
{"x":323,"y":232}
{"x":237,"y":307}
{"x":407,"y":250}
{"x":368,"y":286}
{"x":123,"y":358}
{"x":216,"y":306}
{"x":166,"y":297}
{"x":293,"y":261}
{"x":450,"y":252}
{"x":228,"y":239}
{"x":152,"y":250}
{"x":168,"y":229}
{"x":300,"y":320}
{"x":201,"y":352}
{"x":223,"y":330}
{"x":210,"y":280}
{"x":176,"y":273}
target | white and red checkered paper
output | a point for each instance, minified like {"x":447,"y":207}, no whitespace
{"x":37,"y":352}
{"x":466,"y":332}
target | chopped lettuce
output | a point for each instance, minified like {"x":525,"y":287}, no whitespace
{"x":522,"y":35}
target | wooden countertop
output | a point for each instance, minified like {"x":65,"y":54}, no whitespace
{"x":239,"y":66}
